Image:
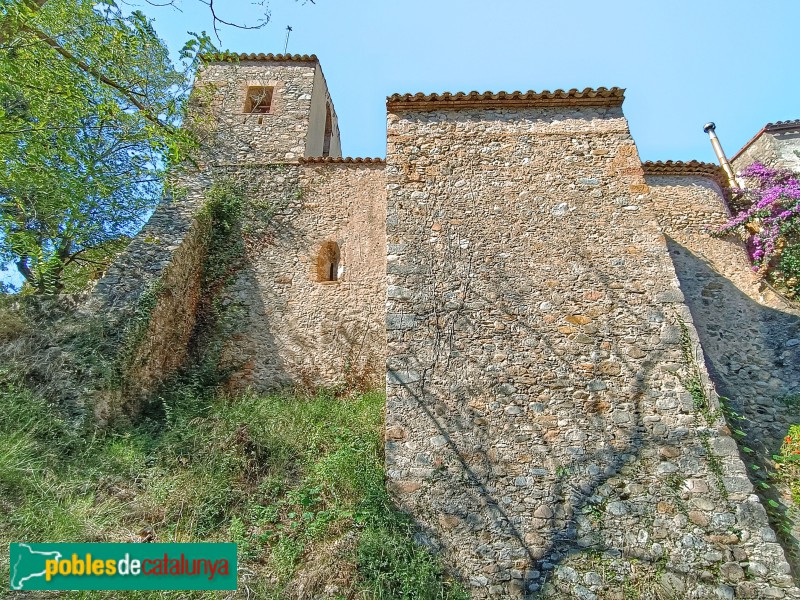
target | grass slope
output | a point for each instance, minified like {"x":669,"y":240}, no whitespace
{"x":297,"y":482}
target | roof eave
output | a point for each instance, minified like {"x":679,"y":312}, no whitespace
{"x":461,"y":101}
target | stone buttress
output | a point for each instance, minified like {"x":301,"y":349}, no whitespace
{"x":540,"y":426}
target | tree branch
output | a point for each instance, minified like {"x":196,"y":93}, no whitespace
{"x":217,"y":19}
{"x":32,"y":5}
{"x":87,"y":68}
{"x":24,"y":269}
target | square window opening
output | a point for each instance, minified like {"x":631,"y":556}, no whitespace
{"x":258,"y":100}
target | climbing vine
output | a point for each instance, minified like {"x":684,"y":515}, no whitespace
{"x":693,"y":384}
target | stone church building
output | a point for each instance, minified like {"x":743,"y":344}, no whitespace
{"x":552,"y":318}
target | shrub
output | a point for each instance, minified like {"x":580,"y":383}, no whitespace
{"x":788,"y":462}
{"x":770,"y":223}
{"x":284,"y":476}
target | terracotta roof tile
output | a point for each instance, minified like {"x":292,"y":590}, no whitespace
{"x":340,"y":160}
{"x":778,"y":125}
{"x":232,"y":57}
{"x":692,"y":168}
{"x":587,"y":97}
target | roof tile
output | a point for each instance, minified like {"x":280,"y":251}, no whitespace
{"x":587,"y":97}
{"x":692,"y":168}
{"x":340,"y":160}
{"x":778,"y":125}
{"x":233,"y":57}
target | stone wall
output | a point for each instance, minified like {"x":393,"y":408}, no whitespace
{"x":538,"y":301}
{"x":296,"y":327}
{"x":232,"y":135}
{"x":688,"y":205}
{"x":749,"y":334}
{"x":776,"y":146}
{"x":147,"y":301}
{"x":538,"y":422}
{"x":285,"y":326}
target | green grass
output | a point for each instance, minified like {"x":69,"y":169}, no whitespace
{"x":297,"y":482}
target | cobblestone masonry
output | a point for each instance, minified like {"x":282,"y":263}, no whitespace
{"x":749,"y":334}
{"x":294,"y":328}
{"x":283,"y":134}
{"x":776,"y":145}
{"x":165,"y":259}
{"x":537,"y":423}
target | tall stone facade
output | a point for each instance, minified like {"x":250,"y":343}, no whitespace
{"x":538,"y":419}
{"x":552,"y":316}
{"x":301,"y":323}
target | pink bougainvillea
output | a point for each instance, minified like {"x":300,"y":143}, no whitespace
{"x":771,"y":220}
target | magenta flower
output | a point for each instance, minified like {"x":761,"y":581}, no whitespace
{"x":773,"y":196}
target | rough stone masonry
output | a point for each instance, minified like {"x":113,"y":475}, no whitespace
{"x":538,"y":425}
{"x":531,"y":288}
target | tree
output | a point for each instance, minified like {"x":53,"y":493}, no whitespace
{"x":90,"y":106}
{"x":22,"y":9}
{"x":770,"y":222}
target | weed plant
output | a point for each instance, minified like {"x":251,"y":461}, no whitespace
{"x":286,"y":477}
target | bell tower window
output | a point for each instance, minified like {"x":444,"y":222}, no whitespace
{"x":258,"y":100}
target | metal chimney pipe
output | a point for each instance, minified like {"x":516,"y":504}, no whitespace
{"x":723,"y":160}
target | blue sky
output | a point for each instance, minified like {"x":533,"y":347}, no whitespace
{"x":683,"y":63}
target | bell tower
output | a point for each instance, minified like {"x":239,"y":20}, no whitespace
{"x":264,"y":108}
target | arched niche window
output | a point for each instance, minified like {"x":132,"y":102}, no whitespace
{"x":328,"y":262}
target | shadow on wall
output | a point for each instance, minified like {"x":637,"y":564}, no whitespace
{"x":753,"y":355}
{"x":273,"y":345}
{"x":249,"y":339}
{"x":567,"y":495}
{"x":604,"y":497}
{"x":752,"y":351}
{"x":248,"y":345}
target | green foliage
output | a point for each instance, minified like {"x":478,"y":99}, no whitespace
{"x":391,"y":563}
{"x":12,"y":324}
{"x":692,"y":381}
{"x":788,"y":462}
{"x":91,"y":264}
{"x":135,"y":331}
{"x":768,"y":215}
{"x":223,"y":208}
{"x":787,"y":276}
{"x":282,"y":476}
{"x":90,"y":103}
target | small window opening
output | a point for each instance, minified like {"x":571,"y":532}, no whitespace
{"x":328,"y":262}
{"x":326,"y":144}
{"x":258,"y":100}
